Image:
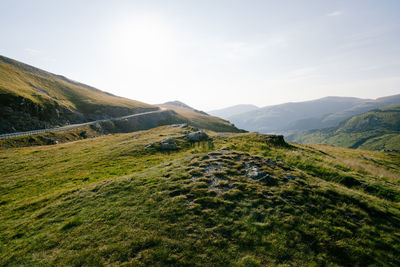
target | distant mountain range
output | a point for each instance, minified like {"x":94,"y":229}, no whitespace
{"x":31,"y":99}
{"x":378,"y":129}
{"x":226,"y":113}
{"x":293,"y":118}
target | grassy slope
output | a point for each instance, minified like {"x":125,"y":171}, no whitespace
{"x":374,"y":130}
{"x":203,"y":121}
{"x":43,"y":88}
{"x":47,"y":89}
{"x":108,"y":201}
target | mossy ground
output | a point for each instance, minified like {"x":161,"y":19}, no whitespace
{"x":109,"y":201}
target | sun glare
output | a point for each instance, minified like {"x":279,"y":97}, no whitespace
{"x":143,"y":42}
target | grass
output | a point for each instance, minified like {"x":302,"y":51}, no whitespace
{"x":44,"y":88}
{"x":374,"y":130}
{"x":31,"y":98}
{"x":108,"y":201}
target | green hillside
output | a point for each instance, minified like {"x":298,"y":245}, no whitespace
{"x":31,"y":98}
{"x":378,"y":129}
{"x":234,"y":200}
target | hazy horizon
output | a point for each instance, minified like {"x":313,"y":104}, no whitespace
{"x":212,"y":54}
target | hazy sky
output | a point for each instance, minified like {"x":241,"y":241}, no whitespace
{"x":212,"y":54}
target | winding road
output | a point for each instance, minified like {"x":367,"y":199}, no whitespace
{"x":9,"y":135}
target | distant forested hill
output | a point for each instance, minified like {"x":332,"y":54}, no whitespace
{"x":378,"y":129}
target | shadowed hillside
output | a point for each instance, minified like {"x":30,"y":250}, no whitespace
{"x":31,"y":98}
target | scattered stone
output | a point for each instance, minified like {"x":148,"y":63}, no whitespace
{"x":168,"y":144}
{"x":182,"y":125}
{"x":55,"y":142}
{"x":197,"y":136}
{"x":149,"y":146}
{"x":255,"y":174}
{"x":223,"y":149}
{"x":169,"y":140}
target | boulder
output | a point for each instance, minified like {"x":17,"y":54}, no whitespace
{"x":168,"y":144}
{"x":197,"y":136}
{"x":169,"y":140}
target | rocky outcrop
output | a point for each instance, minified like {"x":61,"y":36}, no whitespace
{"x":197,"y":136}
{"x":22,"y":114}
{"x":168,"y":144}
{"x":165,"y":145}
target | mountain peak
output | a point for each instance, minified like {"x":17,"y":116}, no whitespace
{"x":180,"y":104}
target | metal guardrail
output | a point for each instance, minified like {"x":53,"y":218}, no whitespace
{"x":18,"y":134}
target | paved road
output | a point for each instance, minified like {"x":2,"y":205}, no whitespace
{"x":2,"y":136}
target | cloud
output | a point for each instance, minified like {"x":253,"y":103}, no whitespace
{"x":335,"y":13}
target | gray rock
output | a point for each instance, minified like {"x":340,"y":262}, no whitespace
{"x":169,"y":140}
{"x":255,"y":174}
{"x":149,"y":146}
{"x":197,"y":136}
{"x":183,"y":125}
{"x":168,"y":144}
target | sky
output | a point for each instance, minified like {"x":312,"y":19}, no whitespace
{"x":212,"y":54}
